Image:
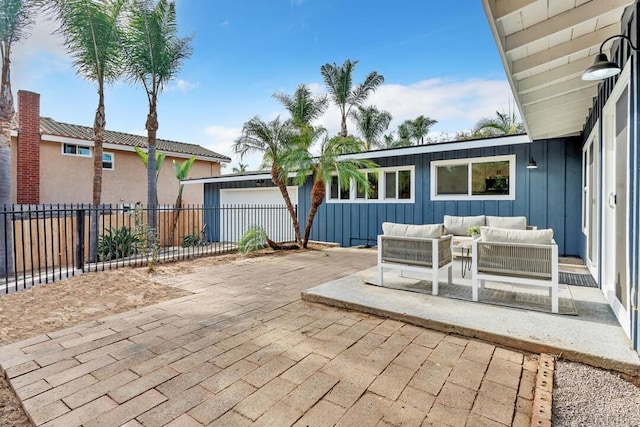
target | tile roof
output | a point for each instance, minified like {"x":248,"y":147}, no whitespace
{"x":48,"y":126}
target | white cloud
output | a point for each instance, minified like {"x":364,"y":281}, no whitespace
{"x":43,"y":44}
{"x":221,"y":140}
{"x":181,"y":85}
{"x":455,"y":104}
{"x":225,"y":23}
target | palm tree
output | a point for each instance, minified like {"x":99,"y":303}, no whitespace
{"x":242,"y":167}
{"x":91,"y":31}
{"x":371,"y":123}
{"x":421,"y":127}
{"x":303,"y":106}
{"x":405,"y":131}
{"x":181,"y":170}
{"x":339,"y":82}
{"x":272,"y":139}
{"x":15,"y":20}
{"x":504,"y":123}
{"x":389,"y":141}
{"x":154,"y":55}
{"x":324,"y":167}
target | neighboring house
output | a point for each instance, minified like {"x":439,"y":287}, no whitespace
{"x":52,"y":162}
{"x":584,"y":137}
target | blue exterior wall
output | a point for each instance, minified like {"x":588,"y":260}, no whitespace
{"x":620,"y":53}
{"x":549,"y":196}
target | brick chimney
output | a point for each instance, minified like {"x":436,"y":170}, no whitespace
{"x":28,"y":156}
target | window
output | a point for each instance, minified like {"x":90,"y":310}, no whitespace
{"x":386,"y":185}
{"x":107,"y":161}
{"x":372,"y":179}
{"x":485,"y":178}
{"x":337,"y":192}
{"x":76,"y":150}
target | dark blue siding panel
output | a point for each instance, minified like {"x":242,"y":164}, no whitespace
{"x":548,"y":196}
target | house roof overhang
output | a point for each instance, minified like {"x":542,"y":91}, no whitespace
{"x":545,"y":46}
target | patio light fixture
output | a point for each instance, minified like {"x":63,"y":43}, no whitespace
{"x":532,"y":164}
{"x":602,"y":68}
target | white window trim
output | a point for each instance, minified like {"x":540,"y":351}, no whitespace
{"x":76,"y":155}
{"x":469,"y":161}
{"x":113,"y":161}
{"x":381,"y":187}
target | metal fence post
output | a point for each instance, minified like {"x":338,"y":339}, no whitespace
{"x":80,"y":240}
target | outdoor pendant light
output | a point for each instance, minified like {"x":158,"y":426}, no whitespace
{"x":532,"y":164}
{"x":602,"y":68}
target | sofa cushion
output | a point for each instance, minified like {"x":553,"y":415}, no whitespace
{"x":459,"y":225}
{"x":426,"y":231}
{"x":490,"y":234}
{"x":510,"y":222}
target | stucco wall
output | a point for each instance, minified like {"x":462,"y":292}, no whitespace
{"x":69,"y":179}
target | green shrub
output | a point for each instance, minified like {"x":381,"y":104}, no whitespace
{"x":253,"y":239}
{"x":195,"y":239}
{"x":118,"y":243}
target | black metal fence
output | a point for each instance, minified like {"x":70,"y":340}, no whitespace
{"x":45,"y":243}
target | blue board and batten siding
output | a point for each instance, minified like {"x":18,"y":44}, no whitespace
{"x":548,"y":196}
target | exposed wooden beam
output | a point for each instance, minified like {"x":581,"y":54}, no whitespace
{"x":573,"y":118}
{"x":556,"y":112}
{"x":503,"y":8}
{"x":564,"y":49}
{"x":558,"y":74}
{"x":554,"y":91}
{"x":572,"y":17}
{"x":585,"y":95}
{"x":553,"y":130}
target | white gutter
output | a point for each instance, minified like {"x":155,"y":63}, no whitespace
{"x":441,"y":147}
{"x":394,"y":152}
{"x":232,"y":178}
{"x":122,"y":147}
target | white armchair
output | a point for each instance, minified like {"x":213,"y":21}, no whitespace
{"x":416,"y":254}
{"x":521,"y":257}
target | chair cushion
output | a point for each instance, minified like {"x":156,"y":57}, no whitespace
{"x":459,"y":225}
{"x":426,"y":231}
{"x":510,"y":222}
{"x":490,"y":234}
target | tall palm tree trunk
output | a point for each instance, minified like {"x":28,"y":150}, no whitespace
{"x":281,"y":184}
{"x":99,"y":124}
{"x":318,"y":192}
{"x":152,"y":181}
{"x":343,"y":124}
{"x":7,"y":114}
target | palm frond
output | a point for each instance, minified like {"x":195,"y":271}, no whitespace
{"x":16,"y":19}
{"x":92,"y":36}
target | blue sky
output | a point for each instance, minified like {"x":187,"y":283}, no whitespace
{"x":438,"y":59}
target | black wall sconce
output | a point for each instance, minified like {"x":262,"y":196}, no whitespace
{"x":532,"y":164}
{"x":602,"y":68}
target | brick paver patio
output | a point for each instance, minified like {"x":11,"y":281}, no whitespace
{"x":245,"y":350}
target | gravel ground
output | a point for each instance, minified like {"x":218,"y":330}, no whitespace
{"x":586,"y":396}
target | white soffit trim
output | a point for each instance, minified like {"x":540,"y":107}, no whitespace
{"x":232,"y":178}
{"x":120,"y":147}
{"x":441,"y":147}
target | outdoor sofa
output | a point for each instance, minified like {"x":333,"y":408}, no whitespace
{"x":415,"y":248}
{"x":458,"y":226}
{"x":521,"y":257}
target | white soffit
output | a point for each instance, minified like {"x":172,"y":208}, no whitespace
{"x":545,"y":45}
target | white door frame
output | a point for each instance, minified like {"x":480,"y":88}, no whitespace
{"x":590,"y":195}
{"x":608,"y":214}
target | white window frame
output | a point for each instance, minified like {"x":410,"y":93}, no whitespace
{"x":381,"y":187}
{"x":62,"y":148}
{"x":470,"y":161}
{"x":113,"y":161}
